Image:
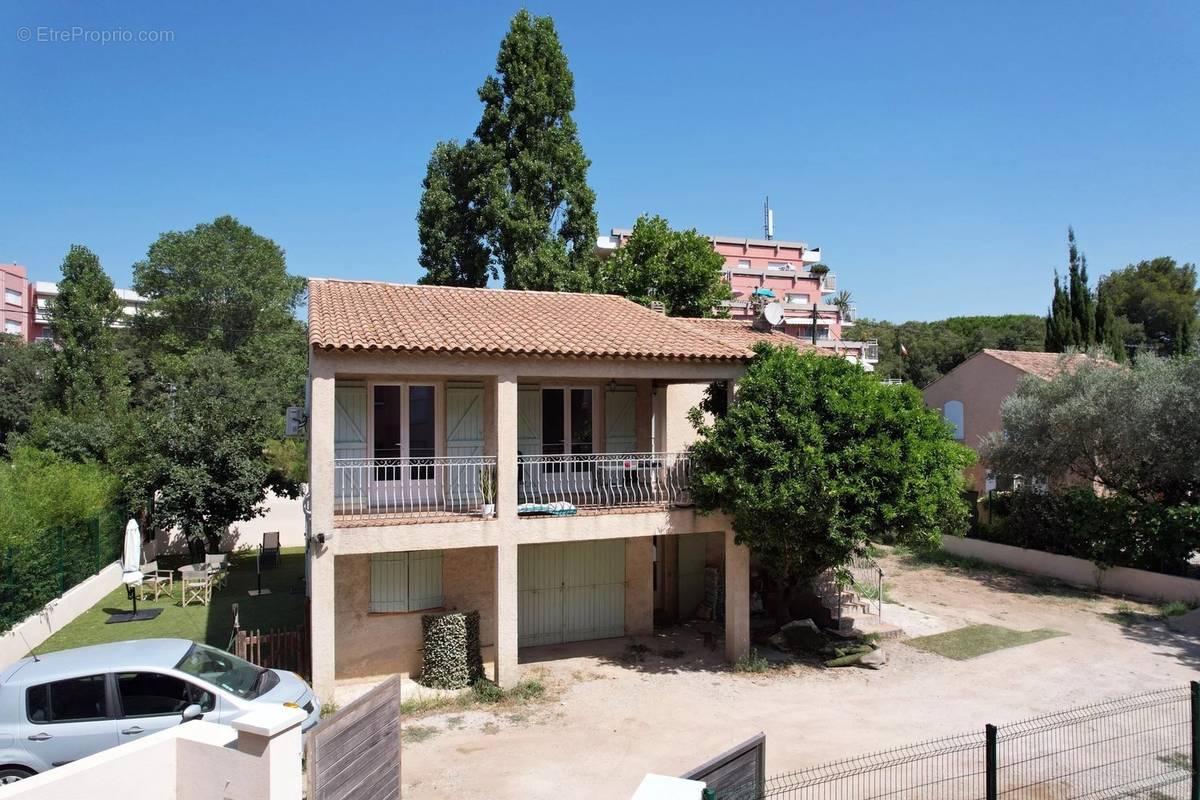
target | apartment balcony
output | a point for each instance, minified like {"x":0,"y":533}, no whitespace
{"x":420,"y":489}
{"x":603,"y":482}
{"x":447,"y":489}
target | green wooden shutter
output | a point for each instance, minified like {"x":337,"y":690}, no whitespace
{"x":389,"y":582}
{"x":464,"y":419}
{"x":620,"y":420}
{"x":529,"y":420}
{"x":424,"y":579}
{"x":350,"y":420}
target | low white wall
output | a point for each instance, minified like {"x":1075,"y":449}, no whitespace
{"x":16,"y":643}
{"x":1078,"y":571}
{"x":281,"y":514}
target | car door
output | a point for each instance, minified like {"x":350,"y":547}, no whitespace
{"x":68,"y":719}
{"x":152,"y":701}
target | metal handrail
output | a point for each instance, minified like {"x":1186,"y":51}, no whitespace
{"x":413,"y":486}
{"x":605,"y":480}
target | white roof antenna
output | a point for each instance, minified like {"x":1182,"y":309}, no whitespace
{"x":768,"y":219}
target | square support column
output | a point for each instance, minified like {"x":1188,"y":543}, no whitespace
{"x":644,"y":416}
{"x":504,"y":421}
{"x":639,"y":585}
{"x":507,"y":670}
{"x":737,"y":599}
{"x":321,"y":502}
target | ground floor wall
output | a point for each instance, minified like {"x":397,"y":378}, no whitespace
{"x":370,"y":645}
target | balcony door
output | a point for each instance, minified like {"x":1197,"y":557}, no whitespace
{"x":404,"y":441}
{"x":568,"y":429}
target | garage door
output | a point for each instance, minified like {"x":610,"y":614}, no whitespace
{"x":570,"y":592}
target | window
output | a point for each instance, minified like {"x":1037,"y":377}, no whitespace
{"x":12,"y":326}
{"x":743,"y":263}
{"x":566,"y":426}
{"x":12,"y":297}
{"x":149,"y":694}
{"x":952,"y":411}
{"x":797,"y":298}
{"x":226,"y":670}
{"x":406,"y":581}
{"x":779,"y":266}
{"x":72,"y":700}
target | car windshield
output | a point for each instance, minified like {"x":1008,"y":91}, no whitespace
{"x":222,"y":669}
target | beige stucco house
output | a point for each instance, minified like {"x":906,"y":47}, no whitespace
{"x":970,"y":395}
{"x":566,"y":411}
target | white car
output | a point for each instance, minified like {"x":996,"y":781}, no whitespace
{"x":63,"y":706}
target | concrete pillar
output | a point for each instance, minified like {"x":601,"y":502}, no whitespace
{"x":644,"y":416}
{"x":737,"y":598}
{"x":505,"y":423}
{"x":272,"y":735}
{"x":639,"y":585}
{"x":507,"y":670}
{"x":321,"y":557}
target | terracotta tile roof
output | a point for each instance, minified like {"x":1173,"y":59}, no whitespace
{"x":365,"y":315}
{"x":1043,"y":365}
{"x":740,"y":333}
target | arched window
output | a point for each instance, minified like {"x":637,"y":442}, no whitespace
{"x":953,"y":413}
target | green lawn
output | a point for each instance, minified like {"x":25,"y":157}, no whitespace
{"x":977,"y":640}
{"x":283,"y":608}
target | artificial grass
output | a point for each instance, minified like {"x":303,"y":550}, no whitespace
{"x":978,"y":640}
{"x":212,"y":624}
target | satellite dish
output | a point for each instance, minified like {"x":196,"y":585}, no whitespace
{"x":769,"y":317}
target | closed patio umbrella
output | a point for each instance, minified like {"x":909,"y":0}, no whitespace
{"x":131,"y":576}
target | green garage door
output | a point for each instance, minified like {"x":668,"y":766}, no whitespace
{"x":570,"y":592}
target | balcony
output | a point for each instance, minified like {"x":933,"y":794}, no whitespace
{"x":415,"y":489}
{"x":605,"y":481}
{"x":436,"y":489}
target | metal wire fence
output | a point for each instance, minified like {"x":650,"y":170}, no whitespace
{"x":1140,"y":746}
{"x":46,"y":563}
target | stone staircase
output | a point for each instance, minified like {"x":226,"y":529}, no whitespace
{"x":856,"y":616}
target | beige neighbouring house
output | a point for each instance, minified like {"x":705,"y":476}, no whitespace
{"x":423,"y":398}
{"x":970,"y":395}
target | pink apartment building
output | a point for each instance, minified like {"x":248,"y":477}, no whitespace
{"x":26,"y":304}
{"x":760,"y":271}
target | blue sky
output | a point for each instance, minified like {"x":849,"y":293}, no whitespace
{"x":935,"y":151}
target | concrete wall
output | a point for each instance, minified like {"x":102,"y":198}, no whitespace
{"x":1079,"y":572}
{"x":196,"y":761}
{"x":16,"y":643}
{"x":372,"y":645}
{"x":282,"y":514}
{"x":981,"y":384}
{"x":639,"y":585}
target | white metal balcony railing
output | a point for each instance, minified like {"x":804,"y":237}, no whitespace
{"x":606,"y":480}
{"x":412,"y":487}
{"x":366,"y":488}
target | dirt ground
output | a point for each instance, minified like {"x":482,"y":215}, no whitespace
{"x":614,"y":713}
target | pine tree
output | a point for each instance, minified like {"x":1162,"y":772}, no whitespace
{"x":88,"y":370}
{"x":515,"y":198}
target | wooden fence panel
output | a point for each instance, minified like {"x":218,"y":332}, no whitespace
{"x":286,"y":649}
{"x":737,"y":774}
{"x":356,"y":752}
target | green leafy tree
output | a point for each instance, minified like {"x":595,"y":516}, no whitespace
{"x":816,"y":456}
{"x":515,"y":197}
{"x":935,"y":348}
{"x":25,"y":372}
{"x":1071,"y":322}
{"x":219,"y":317}
{"x":1135,"y":430}
{"x":89,"y":374}
{"x":677,"y":268}
{"x":1154,"y":303}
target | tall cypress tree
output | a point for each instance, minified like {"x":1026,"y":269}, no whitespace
{"x":1058,"y":320}
{"x":88,"y":370}
{"x":1071,"y":321}
{"x":514,"y":199}
{"x":1106,"y":327}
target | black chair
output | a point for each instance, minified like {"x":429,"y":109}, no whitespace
{"x":270,"y":548}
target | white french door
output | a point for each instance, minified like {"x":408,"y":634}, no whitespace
{"x":568,"y":429}
{"x":404,"y":442}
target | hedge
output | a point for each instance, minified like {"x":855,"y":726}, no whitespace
{"x":1113,"y":531}
{"x":452,"y":656}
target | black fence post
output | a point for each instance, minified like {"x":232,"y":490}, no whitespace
{"x":992,"y":783}
{"x":1195,"y":740}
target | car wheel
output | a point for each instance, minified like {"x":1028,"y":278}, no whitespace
{"x":13,"y":774}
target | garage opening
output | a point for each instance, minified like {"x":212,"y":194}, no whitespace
{"x":570,"y":591}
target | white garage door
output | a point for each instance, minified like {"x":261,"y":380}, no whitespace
{"x":570,"y":592}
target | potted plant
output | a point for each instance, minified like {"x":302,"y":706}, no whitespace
{"x":487,"y":487}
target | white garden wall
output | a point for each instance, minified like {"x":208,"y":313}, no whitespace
{"x":1077,"y":571}
{"x":281,"y":514}
{"x":16,"y":643}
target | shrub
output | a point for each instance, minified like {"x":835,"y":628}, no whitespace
{"x":452,"y":657}
{"x":751,"y":662}
{"x":486,"y":691}
{"x":1110,"y":530}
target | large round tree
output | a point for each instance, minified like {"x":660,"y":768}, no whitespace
{"x":815,"y":457}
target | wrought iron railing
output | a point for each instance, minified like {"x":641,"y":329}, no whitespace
{"x":605,"y":480}
{"x":413,"y":486}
